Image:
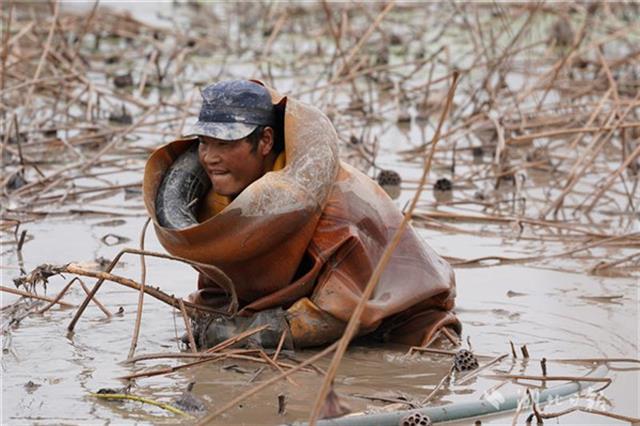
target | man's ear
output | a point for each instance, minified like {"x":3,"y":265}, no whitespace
{"x":266,"y":141}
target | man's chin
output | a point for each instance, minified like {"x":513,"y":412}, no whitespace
{"x":223,"y":188}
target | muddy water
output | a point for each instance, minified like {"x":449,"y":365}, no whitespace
{"x":47,"y":374}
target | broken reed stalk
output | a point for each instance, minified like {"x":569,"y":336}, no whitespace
{"x":208,"y":418}
{"x":500,"y":260}
{"x":58,"y":176}
{"x":187,"y":326}
{"x":237,"y":338}
{"x":507,"y":219}
{"x":193,"y":308}
{"x":45,"y":52}
{"x":100,"y":306}
{"x":354,"y":321}
{"x":607,"y":184}
{"x":497,"y":63}
{"x":431,"y":340}
{"x":352,"y":53}
{"x":169,"y":370}
{"x":95,"y":299}
{"x":440,"y":384}
{"x":602,"y":266}
{"x":84,"y":29}
{"x":566,"y":58}
{"x":605,"y":68}
{"x":59,"y":296}
{"x":182,"y":355}
{"x":548,"y":378}
{"x":479,"y":370}
{"x":282,"y":19}
{"x":280,"y":343}
{"x":521,"y":402}
{"x":413,"y":349}
{"x":185,"y":113}
{"x":634,"y":421}
{"x":143,"y":280}
{"x":220,"y":277}
{"x":582,"y":164}
{"x":64,"y":291}
{"x":524,"y":139}
{"x":240,"y":354}
{"x":145,"y":72}
{"x":275,"y":365}
{"x":6,"y":32}
{"x":536,"y":413}
{"x":592,"y":118}
{"x":332,"y":30}
{"x":35,"y":296}
{"x":259,"y":359}
{"x":450,"y":336}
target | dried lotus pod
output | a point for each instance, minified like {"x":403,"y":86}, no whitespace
{"x":390,"y":181}
{"x":443,"y":184}
{"x":388,"y":177}
{"x":415,"y":419}
{"x":123,"y":80}
{"x":478,"y":154}
{"x":465,"y":360}
{"x":562,"y":33}
{"x":443,"y":190}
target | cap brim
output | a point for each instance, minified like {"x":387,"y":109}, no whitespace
{"x":223,"y":131}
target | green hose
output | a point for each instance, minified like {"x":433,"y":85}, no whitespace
{"x":461,"y":410}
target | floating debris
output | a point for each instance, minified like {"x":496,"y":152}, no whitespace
{"x":562,"y":33}
{"x":390,"y":181}
{"x":114,"y":240}
{"x":333,"y":406}
{"x":465,"y":360}
{"x":189,"y":402}
{"x":282,"y":404}
{"x":16,"y":181}
{"x":389,"y":178}
{"x":443,"y":190}
{"x":121,"y":117}
{"x":123,"y":80}
{"x":31,"y":387}
{"x":478,"y":154}
{"x":404,"y":117}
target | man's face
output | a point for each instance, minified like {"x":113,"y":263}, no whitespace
{"x":231,"y":165}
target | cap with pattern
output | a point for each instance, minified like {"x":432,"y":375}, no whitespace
{"x":232,"y":109}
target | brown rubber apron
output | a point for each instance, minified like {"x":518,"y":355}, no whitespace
{"x":307,"y":238}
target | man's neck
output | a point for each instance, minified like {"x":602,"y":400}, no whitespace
{"x":269,"y":161}
{"x":268,"y":164}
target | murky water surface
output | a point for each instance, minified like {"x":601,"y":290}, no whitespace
{"x":47,"y":374}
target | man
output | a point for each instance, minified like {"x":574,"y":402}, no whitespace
{"x":297,"y":231}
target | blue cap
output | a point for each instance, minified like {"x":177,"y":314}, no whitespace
{"x":232,"y":109}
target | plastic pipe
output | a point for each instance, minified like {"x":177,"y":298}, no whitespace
{"x":461,"y":410}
